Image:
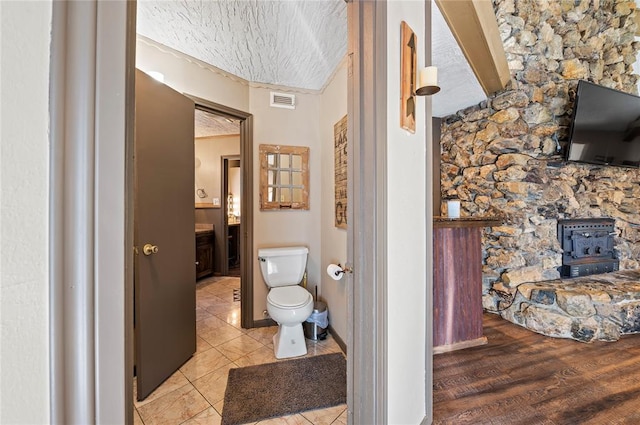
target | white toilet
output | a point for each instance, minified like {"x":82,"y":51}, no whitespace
{"x":287,"y":303}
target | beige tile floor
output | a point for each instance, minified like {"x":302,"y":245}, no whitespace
{"x":194,"y":394}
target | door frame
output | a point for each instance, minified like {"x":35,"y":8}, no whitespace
{"x":91,"y":273}
{"x":245,"y":120}
{"x":224,"y":191}
{"x":92,"y":81}
{"x":367,"y":229}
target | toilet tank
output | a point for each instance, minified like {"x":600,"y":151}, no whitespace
{"x":283,"y":266}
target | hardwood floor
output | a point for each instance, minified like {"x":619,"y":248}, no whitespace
{"x":521,"y":377}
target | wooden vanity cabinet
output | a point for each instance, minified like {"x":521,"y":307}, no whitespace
{"x":204,"y":253}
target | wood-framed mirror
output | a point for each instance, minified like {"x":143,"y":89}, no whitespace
{"x":284,"y":177}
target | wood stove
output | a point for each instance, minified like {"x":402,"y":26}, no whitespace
{"x":587,"y":246}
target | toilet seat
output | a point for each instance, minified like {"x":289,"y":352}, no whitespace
{"x":289,"y":297}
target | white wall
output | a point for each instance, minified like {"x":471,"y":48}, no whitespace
{"x":333,"y":106}
{"x":406,"y":231}
{"x":192,"y":77}
{"x":234,"y":188}
{"x":208,"y":151}
{"x":294,"y":127}
{"x":24,"y":182}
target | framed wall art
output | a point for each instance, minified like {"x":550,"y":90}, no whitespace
{"x":408,"y":78}
{"x":340,"y":168}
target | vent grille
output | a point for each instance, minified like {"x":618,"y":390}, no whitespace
{"x":283,"y":100}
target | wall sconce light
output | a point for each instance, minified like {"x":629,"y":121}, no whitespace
{"x":428,"y":81}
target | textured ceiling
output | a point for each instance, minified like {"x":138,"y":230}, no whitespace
{"x":459,"y":85}
{"x":208,"y":125}
{"x":292,"y":43}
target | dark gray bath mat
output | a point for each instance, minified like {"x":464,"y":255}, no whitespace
{"x":284,"y":388}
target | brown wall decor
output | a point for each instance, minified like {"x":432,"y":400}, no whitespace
{"x":340,"y":181}
{"x":408,"y":78}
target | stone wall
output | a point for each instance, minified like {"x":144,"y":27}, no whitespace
{"x":505,"y":156}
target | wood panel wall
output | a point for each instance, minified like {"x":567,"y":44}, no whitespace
{"x":457,"y":285}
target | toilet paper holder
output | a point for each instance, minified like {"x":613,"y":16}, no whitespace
{"x":342,"y":270}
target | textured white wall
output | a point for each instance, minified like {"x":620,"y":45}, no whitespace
{"x":333,"y":106}
{"x":406,"y":231}
{"x":24,"y":183}
{"x":295,"y":127}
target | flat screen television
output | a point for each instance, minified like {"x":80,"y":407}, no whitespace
{"x":605,"y":128}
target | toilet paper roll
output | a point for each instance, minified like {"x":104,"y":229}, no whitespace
{"x":335,"y":271}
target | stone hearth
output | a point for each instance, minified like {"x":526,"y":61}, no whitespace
{"x":599,"y":307}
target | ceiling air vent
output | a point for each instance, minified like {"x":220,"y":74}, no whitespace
{"x":282,"y":100}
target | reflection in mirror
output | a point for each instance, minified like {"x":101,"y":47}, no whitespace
{"x":284,"y":177}
{"x":297,"y":178}
{"x":297,"y":195}
{"x":273,"y":194}
{"x":272,"y":159}
{"x":272,"y":177}
{"x":296,"y":162}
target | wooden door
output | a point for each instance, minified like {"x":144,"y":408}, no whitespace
{"x":164,"y":222}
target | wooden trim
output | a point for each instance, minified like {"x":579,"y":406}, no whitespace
{"x":222,"y":136}
{"x":246,"y":207}
{"x":264,"y":323}
{"x":224,"y":192}
{"x":129,"y":211}
{"x":480,"y":221}
{"x":435,"y":161}
{"x":337,"y":338}
{"x":366,"y":233}
{"x":474,"y":25}
{"x":205,"y":205}
{"x":246,"y":210}
{"x":432,"y":170}
{"x":460,"y":345}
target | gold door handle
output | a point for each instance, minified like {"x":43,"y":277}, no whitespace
{"x":149,"y":249}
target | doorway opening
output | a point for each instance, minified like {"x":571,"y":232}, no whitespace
{"x":85,"y":398}
{"x":242,"y":213}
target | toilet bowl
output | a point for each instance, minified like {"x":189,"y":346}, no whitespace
{"x":287,"y":303}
